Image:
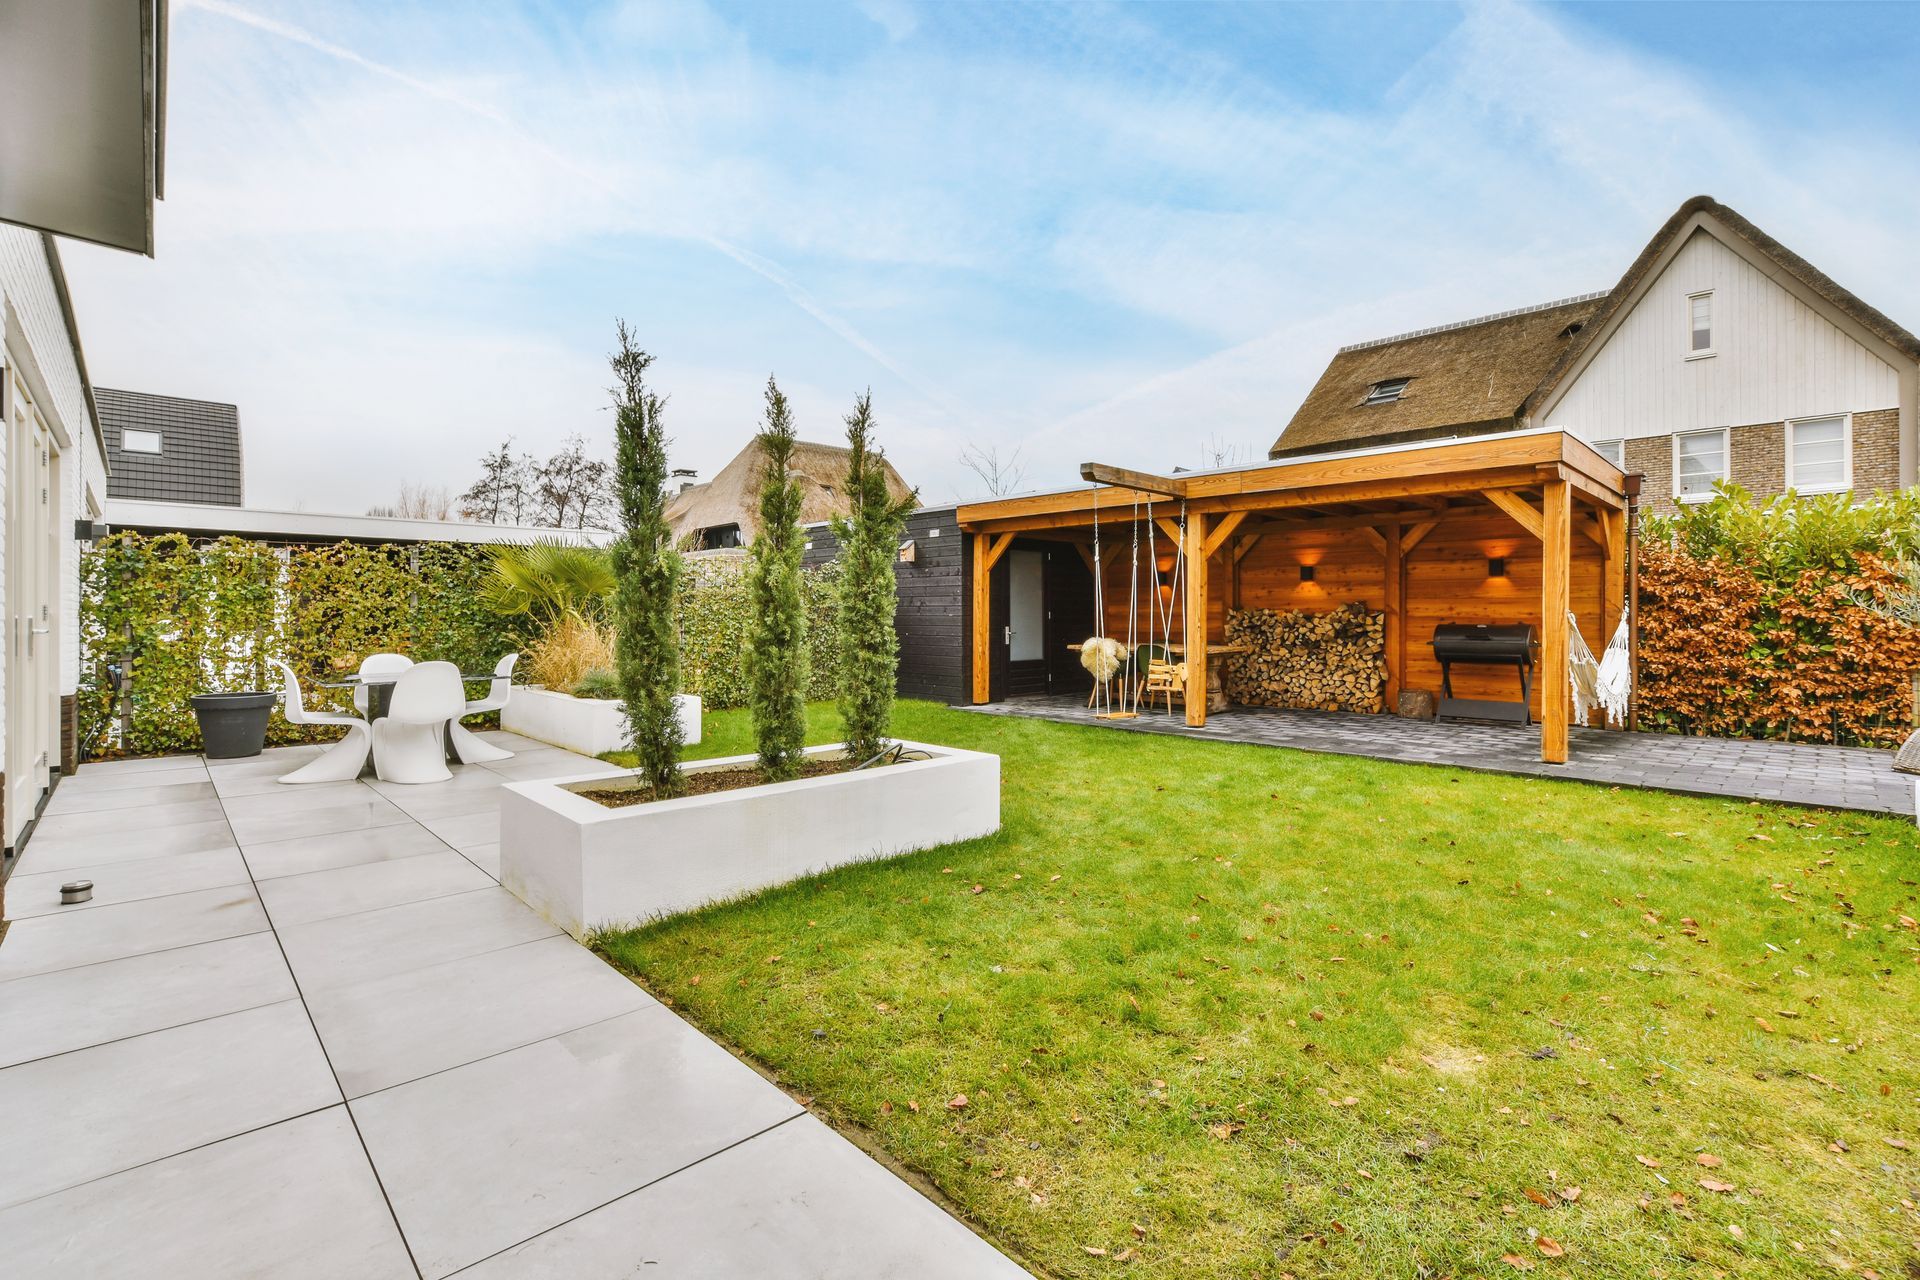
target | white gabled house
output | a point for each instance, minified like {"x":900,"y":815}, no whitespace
{"x":80,"y":156}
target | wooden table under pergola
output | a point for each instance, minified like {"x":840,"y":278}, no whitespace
{"x":1456,"y":530}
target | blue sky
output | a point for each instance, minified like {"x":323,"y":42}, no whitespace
{"x":397,"y":232}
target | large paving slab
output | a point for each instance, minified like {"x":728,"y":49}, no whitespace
{"x":174,"y":1068}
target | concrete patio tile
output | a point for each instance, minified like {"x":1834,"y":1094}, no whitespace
{"x":96,"y":786}
{"x":484,"y":856}
{"x":293,"y":900}
{"x":140,"y":764}
{"x":271,"y":755}
{"x":449,"y":799}
{"x":344,"y":950}
{"x":554,"y":764}
{"x":466,"y":779}
{"x":387,"y":1031}
{"x":98,"y":1111}
{"x":337,"y":849}
{"x":267,"y":823}
{"x":295,"y":1201}
{"x":467,"y":828}
{"x":508,"y":741}
{"x":480,"y":1158}
{"x":201,"y":807}
{"x":75,"y":800}
{"x":233,"y":784}
{"x":74,"y":1008}
{"x":70,"y":841}
{"x":300,"y":798}
{"x":38,"y":893}
{"x":797,"y":1200}
{"x":45,"y":944}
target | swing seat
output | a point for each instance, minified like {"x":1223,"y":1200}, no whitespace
{"x":1163,"y":679}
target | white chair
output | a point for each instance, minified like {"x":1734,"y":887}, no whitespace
{"x":470,"y":746}
{"x":408,"y":741}
{"x":377,"y":664}
{"x":341,"y":762}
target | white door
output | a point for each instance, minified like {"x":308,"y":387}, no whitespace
{"x":31,"y":692}
{"x":1027,"y":612}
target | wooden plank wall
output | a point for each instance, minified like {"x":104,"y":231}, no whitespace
{"x":1446,"y":582}
{"x":931,"y":614}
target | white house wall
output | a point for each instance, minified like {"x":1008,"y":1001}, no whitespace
{"x":1775,"y":358}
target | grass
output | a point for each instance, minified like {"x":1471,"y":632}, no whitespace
{"x":1227,"y":1011}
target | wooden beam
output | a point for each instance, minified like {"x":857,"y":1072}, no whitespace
{"x":1247,"y":544}
{"x":1594,"y":529}
{"x":1376,"y":539}
{"x":1519,"y":508}
{"x":1556,"y":565}
{"x":1195,"y":618}
{"x":1086,"y":553}
{"x":1415,"y":535}
{"x":1396,"y":610}
{"x":1171,"y":529}
{"x":997,"y":547}
{"x":1223,"y":531}
{"x":982,"y":654}
{"x":1145,"y":481}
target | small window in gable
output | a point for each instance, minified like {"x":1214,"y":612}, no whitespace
{"x":1387,"y":390}
{"x":140,"y":441}
{"x":1700,"y":324}
{"x":1817,"y":454}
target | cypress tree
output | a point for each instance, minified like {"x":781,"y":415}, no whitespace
{"x":869,"y":544}
{"x":647,"y":572}
{"x":777,"y":642}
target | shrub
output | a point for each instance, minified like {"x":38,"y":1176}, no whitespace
{"x":598,"y":683}
{"x":647,"y":573}
{"x":777,"y":643}
{"x":713,"y":615}
{"x":869,"y":543}
{"x":567,"y":650}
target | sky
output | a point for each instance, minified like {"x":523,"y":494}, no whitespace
{"x":397,"y":233}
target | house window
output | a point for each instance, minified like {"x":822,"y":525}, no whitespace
{"x":1614,"y":451}
{"x":1817,"y":454}
{"x":717,"y":536}
{"x":1700,"y":324}
{"x":1386,"y":392}
{"x":1699,"y":463}
{"x":140,"y":442}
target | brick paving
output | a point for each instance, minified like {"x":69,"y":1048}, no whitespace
{"x":1788,"y":772}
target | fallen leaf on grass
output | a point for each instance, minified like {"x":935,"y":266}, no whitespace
{"x":1224,"y":1130}
{"x":1710,"y":1162}
{"x":1570,"y":1194}
{"x":1517,"y":1262}
{"x":956,"y":1102}
{"x":1713,"y":1184}
{"x":1648,"y":1161}
{"x":912,"y":1105}
{"x":1125,"y":1255}
{"x":1551,"y":1248}
{"x":1540,"y":1198}
{"x":1095,"y":1250}
{"x":1348,"y":1101}
{"x":1763,"y":1024}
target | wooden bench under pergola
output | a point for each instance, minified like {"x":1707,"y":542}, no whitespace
{"x":1456,"y":530}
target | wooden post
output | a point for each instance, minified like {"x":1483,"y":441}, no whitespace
{"x":1395,"y":609}
{"x":982,"y":618}
{"x":1556,"y":555}
{"x":1195,"y":617}
{"x":1614,"y":588}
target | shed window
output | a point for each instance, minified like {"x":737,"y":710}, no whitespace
{"x":140,"y":442}
{"x":1817,"y":454}
{"x":1387,"y":391}
{"x":1699,"y":463}
{"x":1700,"y":317}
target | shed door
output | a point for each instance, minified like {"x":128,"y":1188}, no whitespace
{"x":1027,"y":621}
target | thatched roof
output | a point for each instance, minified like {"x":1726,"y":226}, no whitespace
{"x":733,"y":496}
{"x":1465,"y":379}
{"x":1704,"y":209}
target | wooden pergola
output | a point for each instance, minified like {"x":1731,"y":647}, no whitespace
{"x":1559,"y":492}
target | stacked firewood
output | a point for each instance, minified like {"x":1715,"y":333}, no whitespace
{"x":1325,"y":661}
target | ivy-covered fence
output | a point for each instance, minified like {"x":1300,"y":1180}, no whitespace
{"x":713,"y":615}
{"x":164,"y":617}
{"x":1754,"y":620}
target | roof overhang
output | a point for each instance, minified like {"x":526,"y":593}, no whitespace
{"x":206,"y":519}
{"x":82,"y":118}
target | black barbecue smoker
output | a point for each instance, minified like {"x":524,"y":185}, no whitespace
{"x":1487,"y":646}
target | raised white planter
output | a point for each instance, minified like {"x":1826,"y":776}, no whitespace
{"x":584,"y":866}
{"x":591,"y":726}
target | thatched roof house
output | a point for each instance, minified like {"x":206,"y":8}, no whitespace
{"x":1458,"y":379}
{"x":725,"y":511}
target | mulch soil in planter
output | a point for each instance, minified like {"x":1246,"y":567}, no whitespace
{"x":708,"y":781}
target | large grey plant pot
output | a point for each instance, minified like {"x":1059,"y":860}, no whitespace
{"x":233,"y":725}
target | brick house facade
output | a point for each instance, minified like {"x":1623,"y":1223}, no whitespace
{"x":1756,"y":459}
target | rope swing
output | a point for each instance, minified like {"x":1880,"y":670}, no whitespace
{"x":1104,"y":657}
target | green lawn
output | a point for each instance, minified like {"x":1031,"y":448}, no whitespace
{"x":1221,"y":1010}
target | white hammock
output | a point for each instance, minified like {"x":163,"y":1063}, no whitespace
{"x":1604,"y":683}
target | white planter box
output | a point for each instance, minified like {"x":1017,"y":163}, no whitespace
{"x":584,"y":866}
{"x":591,"y":726}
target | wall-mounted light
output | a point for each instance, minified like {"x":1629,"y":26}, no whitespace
{"x":88,"y":531}
{"x":1306,"y":573}
{"x":1496,"y":566}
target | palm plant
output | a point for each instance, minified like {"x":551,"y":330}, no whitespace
{"x":548,"y":580}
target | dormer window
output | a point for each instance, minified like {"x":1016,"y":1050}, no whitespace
{"x":140,"y":442}
{"x":1387,"y":391}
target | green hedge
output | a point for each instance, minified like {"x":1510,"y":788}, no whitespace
{"x":712,"y":614}
{"x":175,"y":617}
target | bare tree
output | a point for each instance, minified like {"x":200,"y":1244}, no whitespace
{"x":572,"y":490}
{"x":1002,"y":476}
{"x":417,"y":502}
{"x":504,"y":492}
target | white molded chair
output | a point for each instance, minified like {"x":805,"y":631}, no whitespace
{"x":470,"y":746}
{"x":341,"y":762}
{"x":407,"y":741}
{"x":377,"y":664}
